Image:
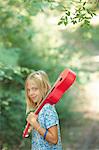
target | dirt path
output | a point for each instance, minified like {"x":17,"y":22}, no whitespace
{"x":82,"y":133}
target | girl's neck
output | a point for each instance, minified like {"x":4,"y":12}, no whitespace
{"x":35,"y":105}
{"x":38,"y":103}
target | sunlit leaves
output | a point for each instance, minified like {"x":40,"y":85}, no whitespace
{"x":83,"y":10}
{"x":80,"y":14}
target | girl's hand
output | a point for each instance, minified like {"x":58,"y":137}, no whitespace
{"x":32,"y":119}
{"x":30,"y":129}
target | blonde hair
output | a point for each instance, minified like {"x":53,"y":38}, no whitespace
{"x":41,"y":79}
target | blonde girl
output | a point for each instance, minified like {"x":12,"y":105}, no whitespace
{"x":45,"y":125}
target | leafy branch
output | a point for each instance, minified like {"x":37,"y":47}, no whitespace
{"x":82,"y":11}
{"x":82,"y":15}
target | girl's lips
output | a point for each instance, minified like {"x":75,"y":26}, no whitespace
{"x":33,"y":97}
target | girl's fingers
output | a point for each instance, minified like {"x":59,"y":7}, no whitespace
{"x":36,"y":116}
{"x":33,"y":115}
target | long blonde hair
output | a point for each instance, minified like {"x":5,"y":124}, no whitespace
{"x":41,"y":79}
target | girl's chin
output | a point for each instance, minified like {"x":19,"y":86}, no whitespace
{"x":34,"y":101}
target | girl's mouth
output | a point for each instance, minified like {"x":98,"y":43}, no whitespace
{"x":33,"y":97}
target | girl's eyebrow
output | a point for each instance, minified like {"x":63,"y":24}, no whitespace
{"x":33,"y":87}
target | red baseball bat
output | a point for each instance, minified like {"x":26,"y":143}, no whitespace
{"x":64,"y":81}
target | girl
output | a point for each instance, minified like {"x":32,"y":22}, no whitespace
{"x":46,"y":132}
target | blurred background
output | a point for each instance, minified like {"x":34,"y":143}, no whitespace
{"x":31,"y":39}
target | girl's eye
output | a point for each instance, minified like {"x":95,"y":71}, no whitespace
{"x":34,"y":88}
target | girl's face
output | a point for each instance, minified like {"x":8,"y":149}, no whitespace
{"x":33,"y":91}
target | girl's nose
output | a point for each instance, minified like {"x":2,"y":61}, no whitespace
{"x":31,"y":92}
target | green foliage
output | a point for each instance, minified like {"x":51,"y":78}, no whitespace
{"x":82,"y":11}
{"x":12,"y":103}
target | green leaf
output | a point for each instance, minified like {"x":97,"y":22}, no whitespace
{"x":60,"y":22}
{"x":65,"y":23}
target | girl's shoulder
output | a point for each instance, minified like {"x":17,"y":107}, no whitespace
{"x":48,"y":106}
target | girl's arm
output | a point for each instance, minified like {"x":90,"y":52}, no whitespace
{"x":52,"y":134}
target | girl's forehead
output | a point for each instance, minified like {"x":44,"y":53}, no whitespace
{"x":31,"y":83}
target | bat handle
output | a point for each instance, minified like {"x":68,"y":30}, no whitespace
{"x":25,"y":132}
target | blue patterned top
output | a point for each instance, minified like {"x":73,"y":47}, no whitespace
{"x":47,"y":118}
